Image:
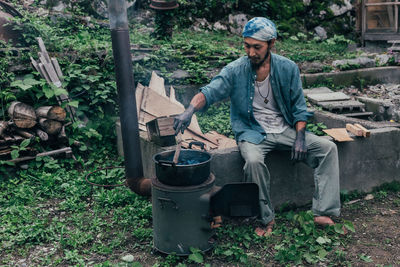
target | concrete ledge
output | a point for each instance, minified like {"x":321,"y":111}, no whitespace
{"x":364,"y":164}
{"x":355,"y":77}
{"x":332,"y":120}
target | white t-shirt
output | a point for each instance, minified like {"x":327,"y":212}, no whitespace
{"x":266,"y":110}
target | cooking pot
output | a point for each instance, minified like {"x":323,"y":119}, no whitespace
{"x":192,"y":168}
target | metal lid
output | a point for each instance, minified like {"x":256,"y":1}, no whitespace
{"x":163,"y":5}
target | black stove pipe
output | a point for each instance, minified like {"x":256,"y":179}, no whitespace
{"x":127,"y":100}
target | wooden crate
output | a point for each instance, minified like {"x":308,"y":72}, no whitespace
{"x":161,"y":131}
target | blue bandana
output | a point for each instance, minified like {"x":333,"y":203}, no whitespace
{"x":260,"y":28}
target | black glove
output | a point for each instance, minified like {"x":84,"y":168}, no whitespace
{"x":182,"y":121}
{"x":299,"y":149}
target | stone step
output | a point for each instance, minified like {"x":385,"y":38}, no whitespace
{"x":359,"y":115}
{"x":327,"y":97}
{"x":342,"y":106}
{"x":318,"y":90}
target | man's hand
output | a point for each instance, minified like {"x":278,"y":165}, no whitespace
{"x":182,"y":121}
{"x":299,"y":149}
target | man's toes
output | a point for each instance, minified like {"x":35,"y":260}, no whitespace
{"x":323,"y":220}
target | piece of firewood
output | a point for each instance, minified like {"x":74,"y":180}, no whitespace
{"x":354,"y":130}
{"x":66,"y":150}
{"x":42,"y":135}
{"x":50,"y":126}
{"x":3,"y":127}
{"x":62,"y":137}
{"x":51,"y":112}
{"x":22,"y":115}
{"x":366,"y":133}
{"x":24,"y":133}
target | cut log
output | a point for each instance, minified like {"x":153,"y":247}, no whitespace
{"x":42,"y":135}
{"x":3,"y":127}
{"x":51,"y":112}
{"x":365,"y":132}
{"x":24,"y":133}
{"x":354,"y":130}
{"x":50,"y":126}
{"x":22,"y":115}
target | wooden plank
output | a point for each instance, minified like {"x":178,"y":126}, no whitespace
{"x":43,"y":49}
{"x":354,"y":130}
{"x":223,"y":141}
{"x":165,"y":126}
{"x":56,"y":67}
{"x":366,"y":133}
{"x":339,"y":134}
{"x":44,"y":73}
{"x":139,"y":97}
{"x":35,"y":65}
{"x":157,"y":84}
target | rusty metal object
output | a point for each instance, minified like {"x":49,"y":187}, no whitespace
{"x":126,"y":96}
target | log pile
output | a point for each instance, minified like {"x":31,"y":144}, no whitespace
{"x":46,"y":122}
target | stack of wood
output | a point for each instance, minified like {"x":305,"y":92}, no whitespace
{"x":50,"y":70}
{"x":152,"y":102}
{"x":47,"y":123}
{"x":342,"y":134}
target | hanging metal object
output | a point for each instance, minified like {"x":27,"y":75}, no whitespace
{"x":164,"y":4}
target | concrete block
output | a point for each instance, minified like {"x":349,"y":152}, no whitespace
{"x":357,"y":77}
{"x":324,"y":97}
{"x":318,"y":90}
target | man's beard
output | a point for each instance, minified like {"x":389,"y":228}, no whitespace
{"x":256,"y":66}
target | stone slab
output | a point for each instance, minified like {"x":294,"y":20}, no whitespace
{"x":336,"y":96}
{"x":348,"y":105}
{"x":357,"y":77}
{"x":317,"y":90}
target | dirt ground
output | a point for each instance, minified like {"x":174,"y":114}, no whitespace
{"x":377,"y":228}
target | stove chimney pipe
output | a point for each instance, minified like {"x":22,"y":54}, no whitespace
{"x":127,"y":100}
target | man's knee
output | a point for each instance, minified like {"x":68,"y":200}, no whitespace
{"x":328,"y":146}
{"x":253,"y":160}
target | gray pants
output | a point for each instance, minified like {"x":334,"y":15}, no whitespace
{"x":322,"y":156}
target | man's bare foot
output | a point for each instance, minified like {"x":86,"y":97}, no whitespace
{"x":267,"y":231}
{"x":325,"y":221}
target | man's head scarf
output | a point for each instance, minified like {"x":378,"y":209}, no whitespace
{"x":260,"y":28}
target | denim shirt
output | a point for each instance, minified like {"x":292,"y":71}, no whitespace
{"x":237,"y":79}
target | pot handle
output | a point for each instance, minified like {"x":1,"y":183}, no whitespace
{"x":197,"y":143}
{"x":166,"y":163}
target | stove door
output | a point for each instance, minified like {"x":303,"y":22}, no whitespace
{"x":236,"y":200}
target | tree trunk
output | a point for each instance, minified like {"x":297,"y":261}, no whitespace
{"x":22,"y":115}
{"x":50,"y":126}
{"x":51,"y":112}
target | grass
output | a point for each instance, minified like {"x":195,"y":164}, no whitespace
{"x":51,"y":216}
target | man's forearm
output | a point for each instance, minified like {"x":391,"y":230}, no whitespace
{"x":300,"y":125}
{"x":198,"y":101}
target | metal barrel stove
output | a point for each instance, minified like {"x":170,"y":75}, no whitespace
{"x":186,"y":200}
